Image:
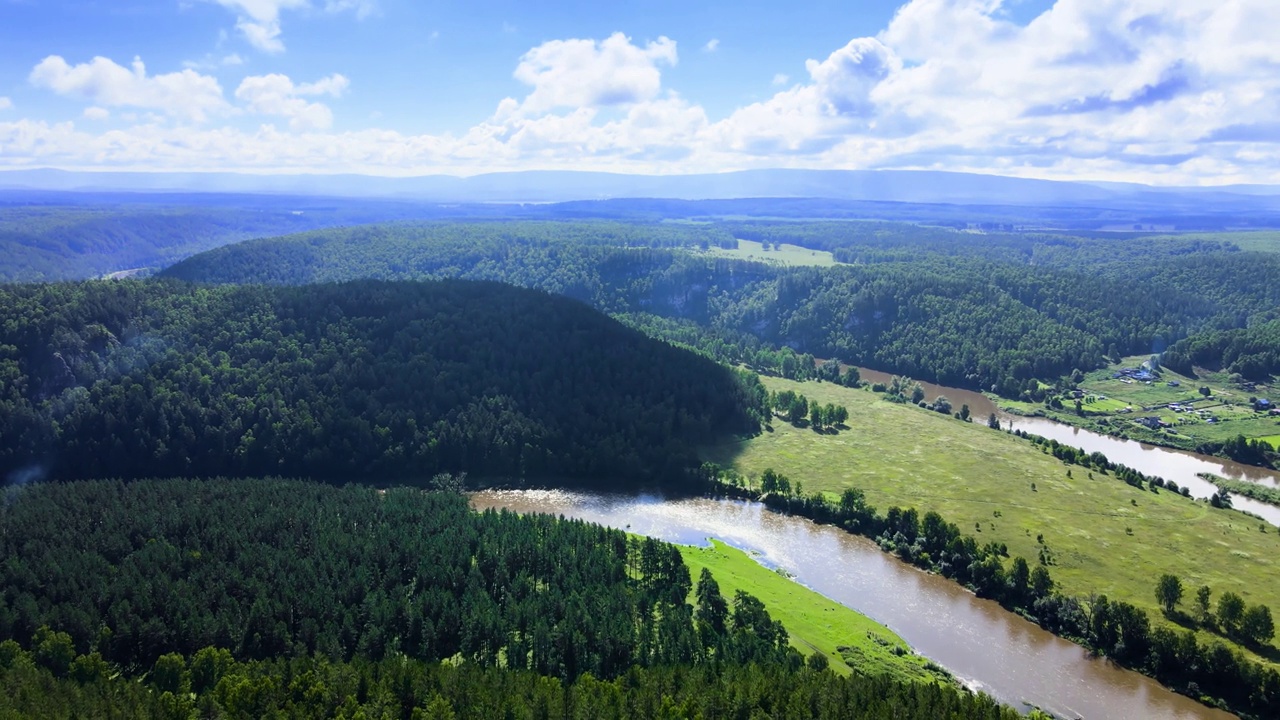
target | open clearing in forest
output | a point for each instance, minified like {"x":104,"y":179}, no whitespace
{"x":816,"y":623}
{"x":1254,"y":240}
{"x":1104,"y":536}
{"x":793,"y":255}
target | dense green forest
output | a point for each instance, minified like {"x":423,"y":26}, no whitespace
{"x":1252,"y":352}
{"x":363,"y":380}
{"x":73,"y":236}
{"x":989,"y":311}
{"x":401,"y":688}
{"x":251,"y":599}
{"x":63,"y":243}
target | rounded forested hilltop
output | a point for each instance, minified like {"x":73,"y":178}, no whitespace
{"x":361,"y":380}
{"x":999,"y":312}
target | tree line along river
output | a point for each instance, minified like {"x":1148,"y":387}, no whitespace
{"x":985,"y":646}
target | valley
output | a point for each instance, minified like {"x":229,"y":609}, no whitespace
{"x":620,"y":356}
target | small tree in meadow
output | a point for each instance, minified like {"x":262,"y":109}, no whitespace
{"x":1169,"y":592}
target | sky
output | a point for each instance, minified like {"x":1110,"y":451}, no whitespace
{"x":1167,"y":92}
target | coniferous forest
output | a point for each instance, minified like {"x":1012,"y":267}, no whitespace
{"x":397,"y":382}
{"x":272,"y":598}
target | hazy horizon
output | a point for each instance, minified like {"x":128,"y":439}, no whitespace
{"x":1148,"y":91}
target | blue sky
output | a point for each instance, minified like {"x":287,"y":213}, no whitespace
{"x":1162,"y":91}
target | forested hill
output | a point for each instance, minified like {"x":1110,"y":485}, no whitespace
{"x":364,"y":380}
{"x":1253,"y":352}
{"x":983,"y":311}
{"x":253,"y":599}
{"x":69,"y":243}
{"x":75,"y":236}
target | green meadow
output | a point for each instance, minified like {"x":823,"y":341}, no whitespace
{"x":792,"y":255}
{"x":1102,"y":535}
{"x":816,"y":623}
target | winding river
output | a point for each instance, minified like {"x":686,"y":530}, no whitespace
{"x":1177,"y":465}
{"x":985,"y":646}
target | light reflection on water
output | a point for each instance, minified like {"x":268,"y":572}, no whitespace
{"x":985,"y":646}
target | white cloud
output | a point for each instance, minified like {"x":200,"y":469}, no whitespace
{"x":259,"y":20}
{"x":589,"y":73}
{"x":712,"y":45}
{"x":232,"y":59}
{"x":263,"y":35}
{"x":5,"y":103}
{"x":96,"y":113}
{"x":809,"y":119}
{"x":1159,"y":91}
{"x":185,"y":95}
{"x":278,"y":95}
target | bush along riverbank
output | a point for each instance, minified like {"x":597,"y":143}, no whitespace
{"x":1256,"y":491}
{"x":1210,"y":672}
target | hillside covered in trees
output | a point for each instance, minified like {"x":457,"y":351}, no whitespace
{"x":1252,"y":352}
{"x":48,"y":236}
{"x":990,"y":311}
{"x":271,"y":598}
{"x":394,"y":382}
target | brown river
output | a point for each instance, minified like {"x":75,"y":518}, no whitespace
{"x":986,"y":647}
{"x":1176,"y":465}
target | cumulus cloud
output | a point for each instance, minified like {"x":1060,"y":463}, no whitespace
{"x":590,"y":73}
{"x":259,"y":20}
{"x":96,"y":113}
{"x":813,"y":117}
{"x":712,"y":45}
{"x":185,"y":95}
{"x":278,"y":95}
{"x":1159,"y":91}
{"x":1107,"y":84}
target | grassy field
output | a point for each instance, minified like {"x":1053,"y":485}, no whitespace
{"x":786,"y":255}
{"x":1113,"y":405}
{"x":1104,"y":535}
{"x":816,"y":623}
{"x":1256,"y":240}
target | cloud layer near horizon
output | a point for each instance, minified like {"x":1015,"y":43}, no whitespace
{"x":1166,"y":91}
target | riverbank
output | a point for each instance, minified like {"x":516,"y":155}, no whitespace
{"x":1195,"y":414}
{"x":1261,"y":493}
{"x":850,"y":640}
{"x":1098,"y":534}
{"x":987,"y":647}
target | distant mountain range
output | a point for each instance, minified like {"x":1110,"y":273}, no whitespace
{"x":559,"y":186}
